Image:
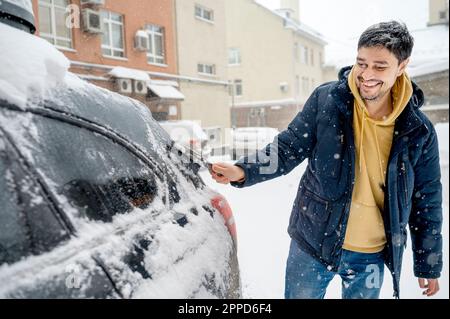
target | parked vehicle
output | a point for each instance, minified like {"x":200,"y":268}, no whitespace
{"x":96,"y":200}
{"x":247,"y":140}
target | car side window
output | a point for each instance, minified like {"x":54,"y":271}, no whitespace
{"x":94,"y":174}
{"x":28,"y":224}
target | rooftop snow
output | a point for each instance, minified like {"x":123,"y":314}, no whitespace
{"x":265,"y":103}
{"x":166,"y":92}
{"x":126,"y":73}
{"x":431,"y":47}
{"x":30,"y":66}
{"x":428,"y":67}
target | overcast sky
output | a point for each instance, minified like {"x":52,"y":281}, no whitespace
{"x":345,"y":19}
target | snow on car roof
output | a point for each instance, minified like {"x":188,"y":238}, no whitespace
{"x":30,"y":66}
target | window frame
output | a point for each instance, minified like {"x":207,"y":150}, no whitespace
{"x":53,"y":37}
{"x":304,"y":55}
{"x":152,"y":34}
{"x":238,"y":83}
{"x":234,"y":57}
{"x":110,"y":22}
{"x":200,"y":13}
{"x":202,"y":67}
{"x":305,"y":85}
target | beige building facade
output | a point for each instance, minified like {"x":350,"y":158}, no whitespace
{"x":274,"y":62}
{"x":438,"y":12}
{"x":201,"y":48}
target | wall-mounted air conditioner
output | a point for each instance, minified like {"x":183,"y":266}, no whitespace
{"x":125,"y":86}
{"x":93,"y":2}
{"x":284,"y":86}
{"x":92,"y":21}
{"x":141,"y":41}
{"x":140,"y":87}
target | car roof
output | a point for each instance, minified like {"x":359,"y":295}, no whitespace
{"x":121,"y":114}
{"x":35,"y":76}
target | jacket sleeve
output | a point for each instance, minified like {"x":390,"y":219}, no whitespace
{"x":287,"y":151}
{"x":426,"y":215}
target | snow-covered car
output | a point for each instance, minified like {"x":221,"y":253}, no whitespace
{"x":190,"y":135}
{"x":95,"y":200}
{"x":247,"y":140}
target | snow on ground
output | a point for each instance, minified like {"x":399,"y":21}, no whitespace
{"x":262,"y":214}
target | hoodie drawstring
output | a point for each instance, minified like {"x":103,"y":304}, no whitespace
{"x":361,"y":141}
{"x":379,"y":156}
{"x":361,"y":145}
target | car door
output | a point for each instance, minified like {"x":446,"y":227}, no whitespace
{"x":34,"y":239}
{"x":131,"y":216}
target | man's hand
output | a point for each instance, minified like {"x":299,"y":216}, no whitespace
{"x":225,"y":173}
{"x":431,"y":286}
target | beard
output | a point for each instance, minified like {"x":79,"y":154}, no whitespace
{"x":373,"y":96}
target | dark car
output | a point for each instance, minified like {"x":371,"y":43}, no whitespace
{"x":96,"y":201}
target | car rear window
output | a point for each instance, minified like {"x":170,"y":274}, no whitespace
{"x":94,"y":175}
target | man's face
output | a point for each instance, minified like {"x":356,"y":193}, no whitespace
{"x":377,"y":70}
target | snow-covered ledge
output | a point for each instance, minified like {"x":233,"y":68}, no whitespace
{"x":126,"y":73}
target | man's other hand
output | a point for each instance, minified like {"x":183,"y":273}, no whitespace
{"x":431,"y":286}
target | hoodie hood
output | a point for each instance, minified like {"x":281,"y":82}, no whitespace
{"x":401,"y":93}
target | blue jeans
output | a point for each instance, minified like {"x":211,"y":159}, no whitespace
{"x":307,"y":278}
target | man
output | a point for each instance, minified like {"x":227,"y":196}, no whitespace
{"x":373,"y":168}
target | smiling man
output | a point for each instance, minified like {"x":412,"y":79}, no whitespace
{"x":373,"y":169}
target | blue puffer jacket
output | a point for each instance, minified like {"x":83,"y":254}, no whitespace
{"x":323,"y":134}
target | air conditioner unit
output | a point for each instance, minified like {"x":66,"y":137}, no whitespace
{"x":140,"y":87}
{"x":141,"y":41}
{"x":125,"y":86}
{"x":92,"y":21}
{"x":94,"y":2}
{"x":284,"y":86}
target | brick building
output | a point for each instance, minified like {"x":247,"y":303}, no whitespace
{"x":124,"y":46}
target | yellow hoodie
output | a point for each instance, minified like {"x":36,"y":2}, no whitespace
{"x":373,"y":140}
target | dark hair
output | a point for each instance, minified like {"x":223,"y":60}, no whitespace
{"x":391,"y":35}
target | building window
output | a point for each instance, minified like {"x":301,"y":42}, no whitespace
{"x":156,"y":54}
{"x":442,"y":15}
{"x":52,"y":22}
{"x":297,"y":85}
{"x":234,"y":56}
{"x":296,"y":53}
{"x":206,"y":69}
{"x":321,"y":58}
{"x":304,"y":55}
{"x":305,"y":85}
{"x":204,"y":13}
{"x":238,"y":89}
{"x":312,"y":57}
{"x":113,"y":37}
